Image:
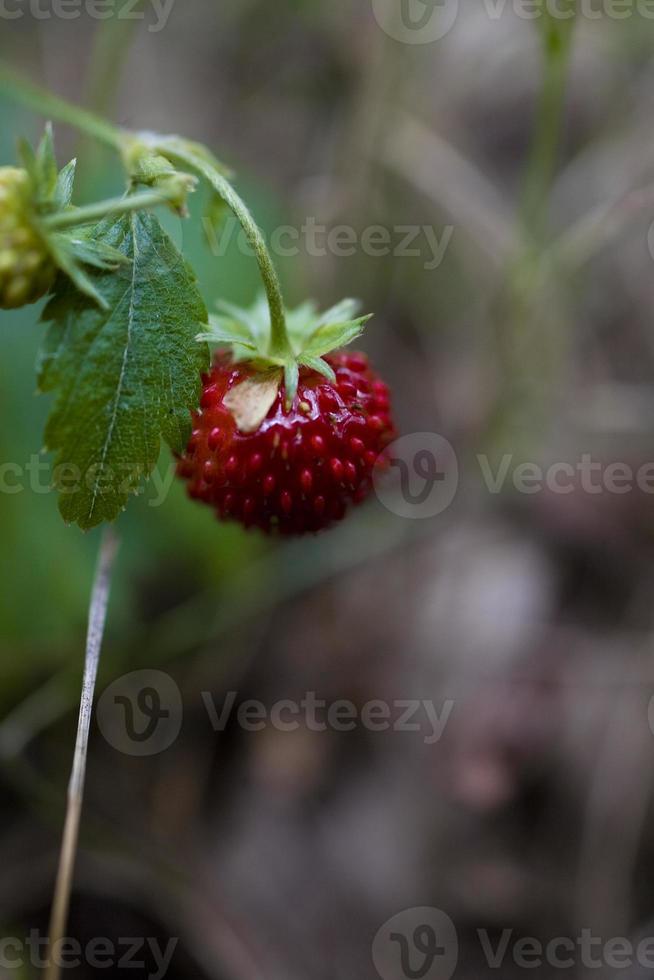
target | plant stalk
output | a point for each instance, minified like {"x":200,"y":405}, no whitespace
{"x":97,"y":619}
{"x":52,"y":106}
{"x":111,"y":47}
{"x":279,"y":343}
{"x":102,"y":209}
{"x":557,"y":49}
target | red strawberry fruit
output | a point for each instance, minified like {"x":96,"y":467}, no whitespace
{"x":288,"y":464}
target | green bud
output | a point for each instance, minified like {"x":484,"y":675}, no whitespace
{"x":26,"y":267}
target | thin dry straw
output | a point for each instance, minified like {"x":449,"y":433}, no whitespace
{"x":97,"y":619}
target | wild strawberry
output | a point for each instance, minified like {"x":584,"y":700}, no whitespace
{"x":26,"y":267}
{"x":303,"y":465}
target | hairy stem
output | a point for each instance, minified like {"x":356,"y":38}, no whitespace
{"x":111,"y":47}
{"x":532,"y":320}
{"x":557,"y":48}
{"x":113,"y":206}
{"x":97,"y":619}
{"x":50,"y":105}
{"x":53,"y":107}
{"x":279,"y":342}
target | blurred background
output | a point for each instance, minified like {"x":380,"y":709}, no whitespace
{"x":516,"y":324}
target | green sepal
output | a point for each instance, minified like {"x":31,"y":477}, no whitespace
{"x":39,"y":166}
{"x":223,"y":330}
{"x":52,"y":189}
{"x":246,"y":331}
{"x":333,"y":335}
{"x":311,"y":334}
{"x":95,"y":253}
{"x":72,"y":251}
{"x":63,"y":194}
{"x":51,"y":192}
{"x":153,"y":159}
{"x":66,"y":263}
{"x":154,"y":170}
{"x":47,"y":164}
{"x":317,"y":364}
{"x":291,"y":378}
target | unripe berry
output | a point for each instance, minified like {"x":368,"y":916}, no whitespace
{"x":26,"y":268}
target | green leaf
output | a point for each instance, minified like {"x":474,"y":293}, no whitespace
{"x":125,"y":377}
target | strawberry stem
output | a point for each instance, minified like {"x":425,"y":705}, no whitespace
{"x":279,"y":343}
{"x":52,"y":106}
{"x":102,"y":209}
{"x":557,"y":50}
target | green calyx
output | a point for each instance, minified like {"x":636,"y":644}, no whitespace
{"x":46,"y":196}
{"x":310,"y":335}
{"x":267,"y":335}
{"x":41,"y":232}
